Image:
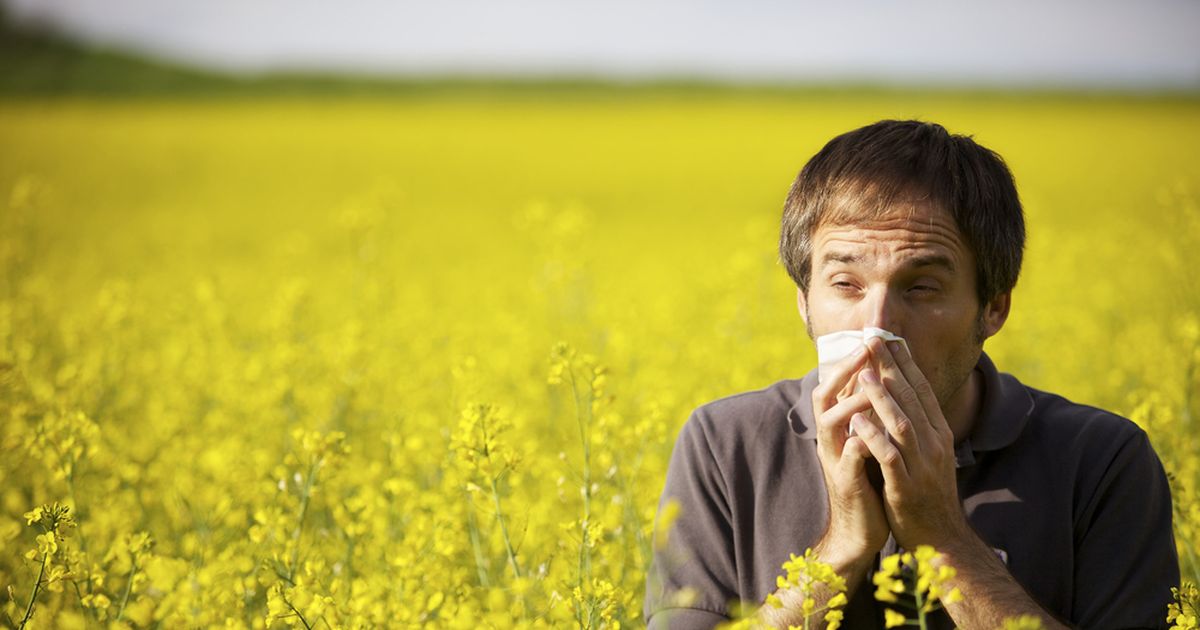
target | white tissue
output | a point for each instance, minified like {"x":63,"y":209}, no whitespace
{"x":836,"y":346}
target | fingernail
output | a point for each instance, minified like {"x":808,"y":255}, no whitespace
{"x":894,"y":346}
{"x":856,"y":422}
{"x":868,"y":376}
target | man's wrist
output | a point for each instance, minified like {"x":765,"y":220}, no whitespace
{"x":849,"y":562}
{"x":967,"y":549}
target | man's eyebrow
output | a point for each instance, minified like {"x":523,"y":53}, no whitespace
{"x":932,"y":260}
{"x":923,"y":260}
{"x":841,"y":257}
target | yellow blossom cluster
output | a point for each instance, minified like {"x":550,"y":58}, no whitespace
{"x":811,"y":588}
{"x":1184,"y":612}
{"x":808,"y":576}
{"x":920,"y":575}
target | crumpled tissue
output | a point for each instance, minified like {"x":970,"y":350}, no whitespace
{"x":836,"y":346}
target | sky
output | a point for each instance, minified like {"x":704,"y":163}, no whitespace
{"x":1058,"y":43}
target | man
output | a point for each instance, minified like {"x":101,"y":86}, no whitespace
{"x":1044,"y":507}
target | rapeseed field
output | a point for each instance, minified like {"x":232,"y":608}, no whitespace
{"x":420,"y":361}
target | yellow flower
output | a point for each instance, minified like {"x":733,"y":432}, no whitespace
{"x":1023,"y":622}
{"x":833,"y":619}
{"x":806,"y":575}
{"x":33,"y":515}
{"x":46,"y":544}
{"x":666,"y":518}
{"x":892,"y":619}
{"x":920,"y":574}
{"x":1182,"y":613}
{"x":98,"y":601}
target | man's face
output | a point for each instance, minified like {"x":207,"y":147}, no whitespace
{"x":909,"y":273}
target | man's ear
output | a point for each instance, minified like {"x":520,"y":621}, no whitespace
{"x":802,"y":304}
{"x":995,"y":313}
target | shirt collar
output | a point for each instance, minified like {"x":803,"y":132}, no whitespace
{"x":1004,"y":413}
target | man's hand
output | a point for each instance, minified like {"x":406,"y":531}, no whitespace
{"x":858,"y":526}
{"x":920,"y":491}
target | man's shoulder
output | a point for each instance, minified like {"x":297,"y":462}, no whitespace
{"x":1091,"y":436}
{"x":1061,"y":415}
{"x":758,"y":411}
{"x":754,"y":405}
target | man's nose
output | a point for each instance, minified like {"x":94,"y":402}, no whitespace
{"x":881,"y":310}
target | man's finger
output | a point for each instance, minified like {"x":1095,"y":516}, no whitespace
{"x":921,"y":387}
{"x":825,"y":395}
{"x":854,"y":459}
{"x":891,"y":461}
{"x":896,"y":383}
{"x":900,"y":428}
{"x":833,"y":424}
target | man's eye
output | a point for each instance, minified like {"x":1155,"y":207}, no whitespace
{"x":923,"y":288}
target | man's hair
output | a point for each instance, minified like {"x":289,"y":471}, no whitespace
{"x":861,"y":175}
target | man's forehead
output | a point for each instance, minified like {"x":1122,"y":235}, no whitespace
{"x":921,"y":239}
{"x":901,"y":234}
{"x":906,"y":211}
{"x":915,"y":258}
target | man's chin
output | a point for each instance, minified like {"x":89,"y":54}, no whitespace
{"x":959,"y":376}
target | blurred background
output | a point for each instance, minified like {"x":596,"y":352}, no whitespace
{"x":378,"y":313}
{"x":1020,"y":44}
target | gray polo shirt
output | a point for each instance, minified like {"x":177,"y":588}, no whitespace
{"x":1072,"y":497}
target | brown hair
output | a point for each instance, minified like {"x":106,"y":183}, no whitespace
{"x":861,"y":175}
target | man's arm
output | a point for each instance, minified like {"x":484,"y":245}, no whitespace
{"x":989,"y":593}
{"x":692,"y":574}
{"x":1125,"y":559}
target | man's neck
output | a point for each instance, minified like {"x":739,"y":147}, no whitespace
{"x":964,"y":406}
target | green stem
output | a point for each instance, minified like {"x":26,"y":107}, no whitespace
{"x":921,"y":611}
{"x":473,"y":531}
{"x":585,"y":556}
{"x":32,"y":596}
{"x":508,"y":548}
{"x":128,"y":588}
{"x":512,"y":556}
{"x":83,"y":546}
{"x":300,"y":616}
{"x":632,"y":522}
{"x":308,"y":484}
{"x":1191,"y":555}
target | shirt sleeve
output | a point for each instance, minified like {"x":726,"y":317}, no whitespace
{"x":692,"y":575}
{"x":1126,"y":561}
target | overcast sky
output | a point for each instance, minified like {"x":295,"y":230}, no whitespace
{"x":1133,"y":43}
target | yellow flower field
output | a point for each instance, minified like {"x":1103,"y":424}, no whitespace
{"x":420,"y":361}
